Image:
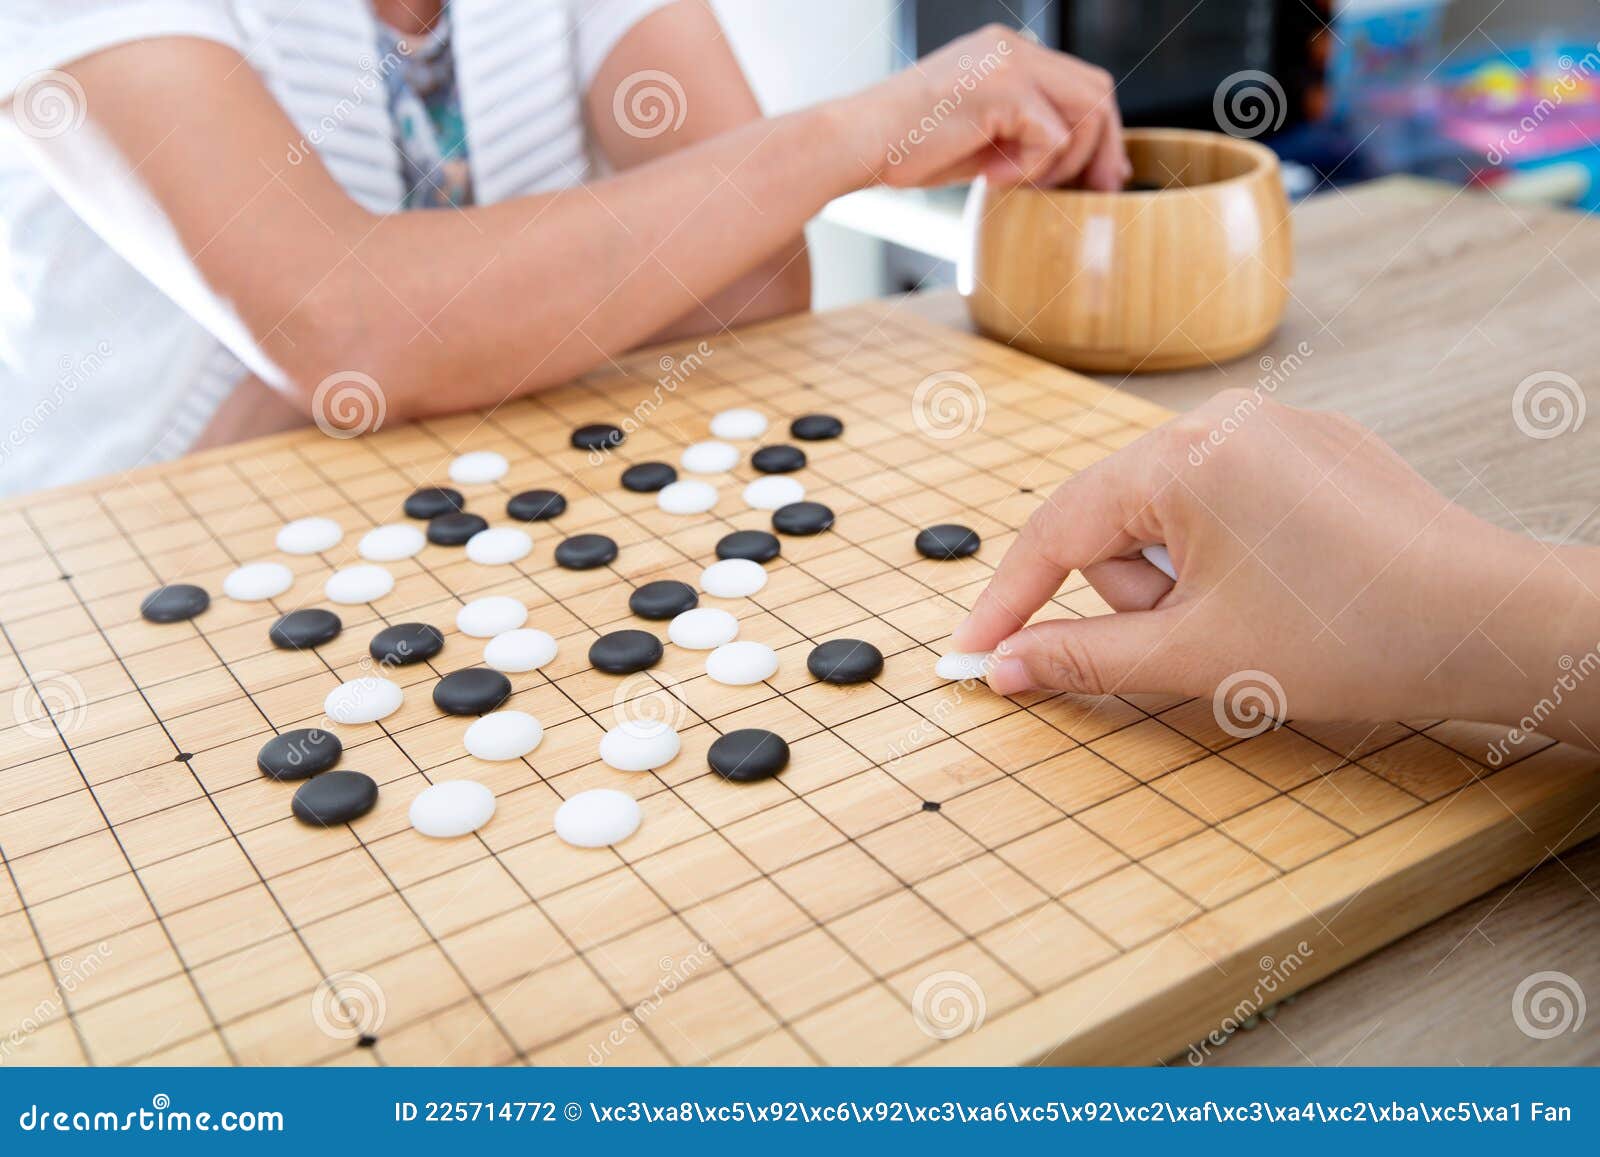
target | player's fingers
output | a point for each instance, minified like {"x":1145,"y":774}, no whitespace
{"x":1085,"y":139}
{"x":1101,"y":513}
{"x":1110,"y":168}
{"x":1029,"y":145}
{"x":1104,"y":655}
{"x":1128,"y":584}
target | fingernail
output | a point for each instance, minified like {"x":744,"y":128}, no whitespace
{"x":1009,"y":677}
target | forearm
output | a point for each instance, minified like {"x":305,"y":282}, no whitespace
{"x":778,"y":286}
{"x":448,"y":310}
{"x":445,"y":309}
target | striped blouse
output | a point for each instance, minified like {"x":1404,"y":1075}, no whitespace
{"x":99,"y":370}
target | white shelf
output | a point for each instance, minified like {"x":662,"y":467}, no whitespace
{"x":926,"y":220}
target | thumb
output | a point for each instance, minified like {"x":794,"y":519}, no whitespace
{"x":1104,"y":655}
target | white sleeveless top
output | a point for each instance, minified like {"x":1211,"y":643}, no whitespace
{"x":99,"y":370}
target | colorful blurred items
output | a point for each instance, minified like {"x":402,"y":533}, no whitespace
{"x":1530,"y":116}
{"x":1387,"y":46}
{"x":1379,"y":78}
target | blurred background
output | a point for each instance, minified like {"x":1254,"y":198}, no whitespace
{"x":1499,"y":93}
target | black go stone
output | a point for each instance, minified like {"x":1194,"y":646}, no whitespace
{"x":948,"y":541}
{"x":845,"y":661}
{"x":299,"y":630}
{"x":585,"y":551}
{"x":335,"y":798}
{"x":648,"y":477}
{"x":600,"y":436}
{"x":432,"y":501}
{"x":474,"y":691}
{"x":174,"y":603}
{"x":802,"y":518}
{"x":783,"y":459}
{"x":406,"y":643}
{"x":816,"y":427}
{"x":663,"y":599}
{"x":755,"y":545}
{"x":748,"y":755}
{"x":455,"y":528}
{"x":536,"y":505}
{"x":299,"y":754}
{"x":624,"y":652}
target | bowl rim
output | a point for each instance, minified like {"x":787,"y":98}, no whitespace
{"x":1263,"y":160}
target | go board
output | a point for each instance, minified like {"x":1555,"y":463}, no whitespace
{"x":940,"y":875}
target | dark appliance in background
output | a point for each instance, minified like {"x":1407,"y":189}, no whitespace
{"x":1168,"y":58}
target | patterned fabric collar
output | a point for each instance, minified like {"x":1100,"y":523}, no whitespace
{"x":425,"y":108}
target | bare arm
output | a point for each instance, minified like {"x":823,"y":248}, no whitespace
{"x":448,"y":310}
{"x":686,"y":42}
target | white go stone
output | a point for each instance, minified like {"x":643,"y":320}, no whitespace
{"x":503,"y":735}
{"x":479,"y":466}
{"x":733,"y":578}
{"x":361,"y":583}
{"x":498,"y":545}
{"x":595,"y":819}
{"x":959,"y":666}
{"x":742,"y":663}
{"x":456,"y":807}
{"x":739,"y":425}
{"x":710,"y":458}
{"x":364,"y":700}
{"x":703,"y":628}
{"x":490,"y":616}
{"x":687,"y":496}
{"x":1159,"y":557}
{"x":639,"y":745}
{"x":257,"y":580}
{"x":517,"y":651}
{"x":309,"y":536}
{"x":391,"y":543}
{"x":771,"y":491}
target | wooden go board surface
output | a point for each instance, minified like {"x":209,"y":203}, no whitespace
{"x":1103,"y":879}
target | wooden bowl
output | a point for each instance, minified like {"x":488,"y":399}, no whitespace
{"x":1193,"y":271}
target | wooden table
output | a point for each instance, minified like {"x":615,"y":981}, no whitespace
{"x":1424,"y":306}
